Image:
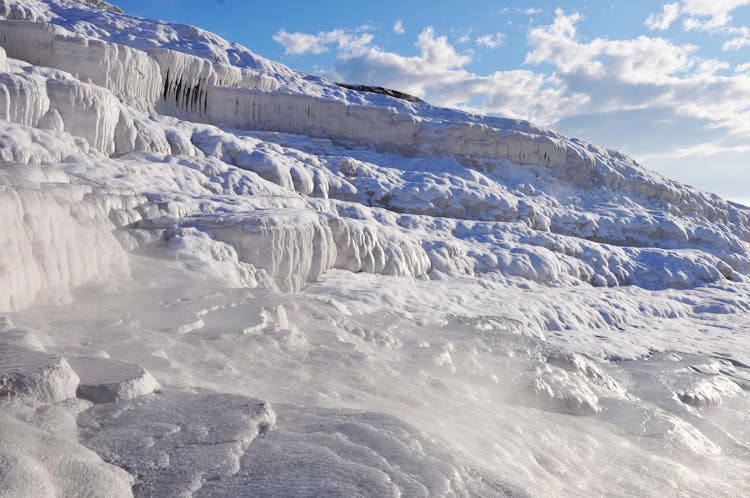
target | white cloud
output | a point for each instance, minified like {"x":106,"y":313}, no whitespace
{"x":713,"y":16}
{"x":716,"y":165}
{"x":637,"y":60}
{"x":531,"y":11}
{"x":300,"y":43}
{"x":710,"y":67}
{"x":642,"y":73}
{"x":436,"y":51}
{"x":306,"y":43}
{"x":491,"y":41}
{"x":670,"y":13}
{"x":710,"y":14}
{"x":461,"y":36}
{"x":439,"y":73}
{"x":398,"y":27}
{"x":741,"y":38}
{"x":736,"y":44}
{"x":702,"y":151}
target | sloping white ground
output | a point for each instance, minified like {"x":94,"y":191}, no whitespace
{"x":42,"y":457}
{"x":457,"y":385}
{"x":174,"y":442}
{"x":40,"y":454}
{"x":433,"y":303}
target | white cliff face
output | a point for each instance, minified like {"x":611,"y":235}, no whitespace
{"x":296,"y":248}
{"x":432,"y":303}
{"x":55,"y":239}
{"x":24,"y":99}
{"x":187,"y":80}
{"x":131,"y":75}
{"x":86,"y":111}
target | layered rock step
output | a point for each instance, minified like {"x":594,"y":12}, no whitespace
{"x":37,"y":375}
{"x":104,"y":380}
{"x":28,"y":371}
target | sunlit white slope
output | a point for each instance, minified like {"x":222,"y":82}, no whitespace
{"x":228,"y":278}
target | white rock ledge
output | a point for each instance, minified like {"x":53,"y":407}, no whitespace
{"x":37,"y":375}
{"x":104,"y":380}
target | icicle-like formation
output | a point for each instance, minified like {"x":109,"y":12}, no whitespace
{"x":187,"y":80}
{"x":23,"y":98}
{"x":87,"y":111}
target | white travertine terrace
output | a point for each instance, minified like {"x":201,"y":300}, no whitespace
{"x":187,"y":86}
{"x":436,"y":303}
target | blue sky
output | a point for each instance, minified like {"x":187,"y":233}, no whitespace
{"x":666,"y":82}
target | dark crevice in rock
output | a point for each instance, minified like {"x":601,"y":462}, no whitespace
{"x":382,"y":91}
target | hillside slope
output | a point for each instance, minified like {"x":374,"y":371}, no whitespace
{"x":223,"y":277}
